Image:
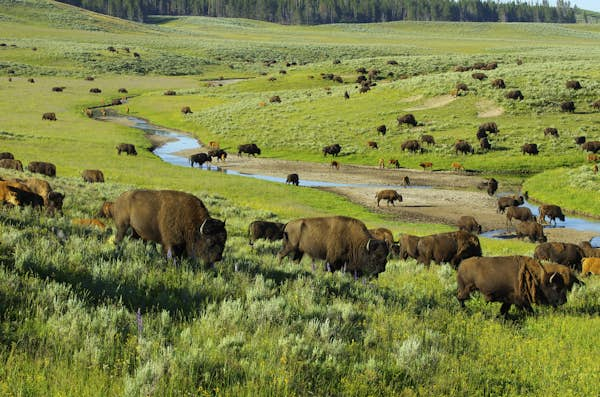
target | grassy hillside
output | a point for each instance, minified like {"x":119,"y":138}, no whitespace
{"x":69,"y":301}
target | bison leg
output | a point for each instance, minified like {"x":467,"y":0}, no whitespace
{"x":504,"y":309}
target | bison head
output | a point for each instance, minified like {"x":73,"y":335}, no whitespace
{"x":554,"y":289}
{"x":375,"y":257}
{"x":210,"y":241}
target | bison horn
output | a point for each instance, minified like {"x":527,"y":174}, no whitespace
{"x":202,"y":226}
{"x":552,"y":277}
{"x":368,"y":242}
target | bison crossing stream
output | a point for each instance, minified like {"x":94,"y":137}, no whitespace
{"x":178,"y":142}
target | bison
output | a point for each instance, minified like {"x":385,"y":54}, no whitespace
{"x":551,"y":131}
{"x":463,"y":147}
{"x":532,"y":230}
{"x":11,"y":164}
{"x":428,"y":139}
{"x":343,"y":242}
{"x":271,"y":231}
{"x":18,"y":194}
{"x":567,"y":254}
{"x":57,"y":89}
{"x":105,"y":210}
{"x":394,"y":162}
{"x":220,"y":154}
{"x":485,"y":144}
{"x":7,"y":155}
{"x":382,"y":129}
{"x":334,"y":150}
{"x":521,"y":213}
{"x":451,"y":247}
{"x":568,"y":106}
{"x":568,"y":275}
{"x":169,"y":93}
{"x":590,"y":266}
{"x":551,"y":211}
{"x":529,"y":148}
{"x":381,"y":233}
{"x":42,"y":167}
{"x":426,"y":164}
{"x":177,"y":220}
{"x":249,"y":148}
{"x":412,"y":145}
{"x":498,"y":83}
{"x":491,"y":185}
{"x":468,"y":224}
{"x":40,"y":187}
{"x":95,"y":90}
{"x":186,"y":110}
{"x":199,"y":158}
{"x":479,"y":76}
{"x":573,"y":85}
{"x":372,"y":145}
{"x":515,"y":94}
{"x":293,"y":179}
{"x":511,"y":280}
{"x":389,"y":195}
{"x":490,"y":127}
{"x":504,"y":202}
{"x":49,"y":116}
{"x":127,"y":148}
{"x":408,"y":246}
{"x":589,"y":250}
{"x":275,"y":99}
{"x":591,"y":146}
{"x":92,"y":176}
{"x":407,"y":119}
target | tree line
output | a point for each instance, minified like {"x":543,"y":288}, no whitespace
{"x":310,"y":12}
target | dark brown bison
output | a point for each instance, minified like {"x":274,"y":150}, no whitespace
{"x":333,"y":150}
{"x":567,"y":254}
{"x":127,"y":148}
{"x":533,"y":230}
{"x":169,"y":93}
{"x":568,"y":106}
{"x":511,"y":280}
{"x":406,"y":181}
{"x":589,"y":250}
{"x":389,"y":195}
{"x":343,"y":242}
{"x":529,"y":148}
{"x":220,"y":154}
{"x":479,"y":76}
{"x":552,"y":212}
{"x":591,"y":146}
{"x":105,"y":210}
{"x":521,"y":213}
{"x":498,"y":83}
{"x":11,"y":164}
{"x":123,"y":90}
{"x":463,"y":147}
{"x":55,"y":202}
{"x":42,"y":167}
{"x":44,"y":190}
{"x":271,"y":231}
{"x":515,"y":94}
{"x":382,"y":129}
{"x":573,"y":85}
{"x":199,"y":158}
{"x":596,"y":105}
{"x":275,"y":99}
{"x":89,"y":78}
{"x":508,"y":201}
{"x":31,"y":80}
{"x":381,"y":233}
{"x":551,"y":131}
{"x":293,"y":179}
{"x":116,"y":102}
{"x":178,"y":221}
{"x":18,"y":194}
{"x":407,"y":119}
{"x":95,"y":90}
{"x":579,"y":140}
{"x":468,"y":224}
{"x":490,"y":127}
{"x":481,"y":134}
{"x":372,"y":145}
{"x":491,"y":185}
{"x":461,"y":87}
{"x":186,"y":110}
{"x":408,"y":246}
{"x":92,"y":176}
{"x":57,"y":89}
{"x":6,"y":155}
{"x":49,"y":116}
{"x":394,"y":162}
{"x":249,"y":148}
{"x":451,"y":247}
{"x":412,"y":145}
{"x":568,"y":275}
{"x":428,"y":139}
{"x":346,"y":95}
{"x":485,"y":144}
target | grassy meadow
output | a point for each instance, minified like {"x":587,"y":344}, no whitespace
{"x":69,"y":304}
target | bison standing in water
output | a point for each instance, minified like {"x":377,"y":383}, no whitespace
{"x":551,"y":211}
{"x":199,"y":158}
{"x":450,"y":247}
{"x":341,"y":241}
{"x":177,"y":220}
{"x":511,"y":280}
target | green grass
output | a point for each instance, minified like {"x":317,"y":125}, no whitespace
{"x":68,"y":308}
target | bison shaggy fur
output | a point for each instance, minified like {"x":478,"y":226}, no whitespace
{"x":92,"y":176}
{"x":11,"y":164}
{"x":468,"y":224}
{"x":271,"y":231}
{"x":451,"y":247}
{"x":127,"y":148}
{"x":532,"y":230}
{"x":566,"y":254}
{"x":42,"y":167}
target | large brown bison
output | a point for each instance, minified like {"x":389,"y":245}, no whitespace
{"x":178,"y":221}
{"x":249,"y":148}
{"x":199,"y":158}
{"x":591,"y":146}
{"x":49,"y":116}
{"x":521,"y":213}
{"x":568,"y":275}
{"x":408,"y":246}
{"x":53,"y":201}
{"x":490,"y":127}
{"x":552,"y":212}
{"x":412,"y":145}
{"x":92,"y":176}
{"x":127,"y":148}
{"x":428,"y":139}
{"x":515,"y":94}
{"x":389,"y":195}
{"x":551,"y":131}
{"x":463,"y":147}
{"x":567,"y":254}
{"x":573,"y":85}
{"x":7,"y":155}
{"x":532,"y":230}
{"x":42,"y":167}
{"x":341,"y":241}
{"x":529,"y":148}
{"x":451,"y":247}
{"x":18,"y":194}
{"x":468,"y":224}
{"x":498,"y":83}
{"x":271,"y":231}
{"x":507,"y":201}
{"x":407,"y":119}
{"x":333,"y":150}
{"x":568,"y":106}
{"x":293,"y":179}
{"x":11,"y":164}
{"x":511,"y":280}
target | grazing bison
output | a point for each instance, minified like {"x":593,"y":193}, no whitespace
{"x":293,"y":179}
{"x":11,"y":164}
{"x":451,"y":247}
{"x":552,"y":212}
{"x":408,"y":246}
{"x":57,"y":89}
{"x":428,"y":139}
{"x":529,"y":148}
{"x":394,"y":162}
{"x":481,"y":134}
{"x":126,"y":148}
{"x":334,"y":150}
{"x":568,"y":275}
{"x":508,"y":201}
{"x":186,"y":110}
{"x":42,"y":167}
{"x":220,"y":154}
{"x":123,"y":90}
{"x":589,"y":250}
{"x":271,"y":231}
{"x":533,"y":230}
{"x":382,"y":129}
{"x":479,"y":76}
{"x":249,"y":148}
{"x":407,"y":119}
{"x":511,"y":280}
{"x":341,"y":241}
{"x":573,"y":85}
{"x":590,"y":266}
{"x":412,"y":145}
{"x":6,"y":155}
{"x":49,"y":116}
{"x":426,"y":164}
{"x":18,"y":194}
{"x":468,"y":224}
{"x":199,"y":158}
{"x":275,"y":99}
{"x":498,"y":83}
{"x":178,"y":221}
{"x":591,"y":146}
{"x":456,"y":166}
{"x":551,"y":131}
{"x":596,"y":105}
{"x":381,"y":233}
{"x":485,"y":144}
{"x":105,"y":210}
{"x":515,"y":94}
{"x":464,"y":147}
{"x":579,"y":140}
{"x":523,"y":214}
{"x":568,"y":106}
{"x":92,"y":176}
{"x":55,"y":202}
{"x":389,"y":195}
{"x":372,"y":145}
{"x":490,"y":127}
{"x":567,"y":254}
{"x":461,"y":87}
{"x":95,"y":90}
{"x":169,"y":93}
{"x":40,"y":187}
{"x":88,"y":222}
